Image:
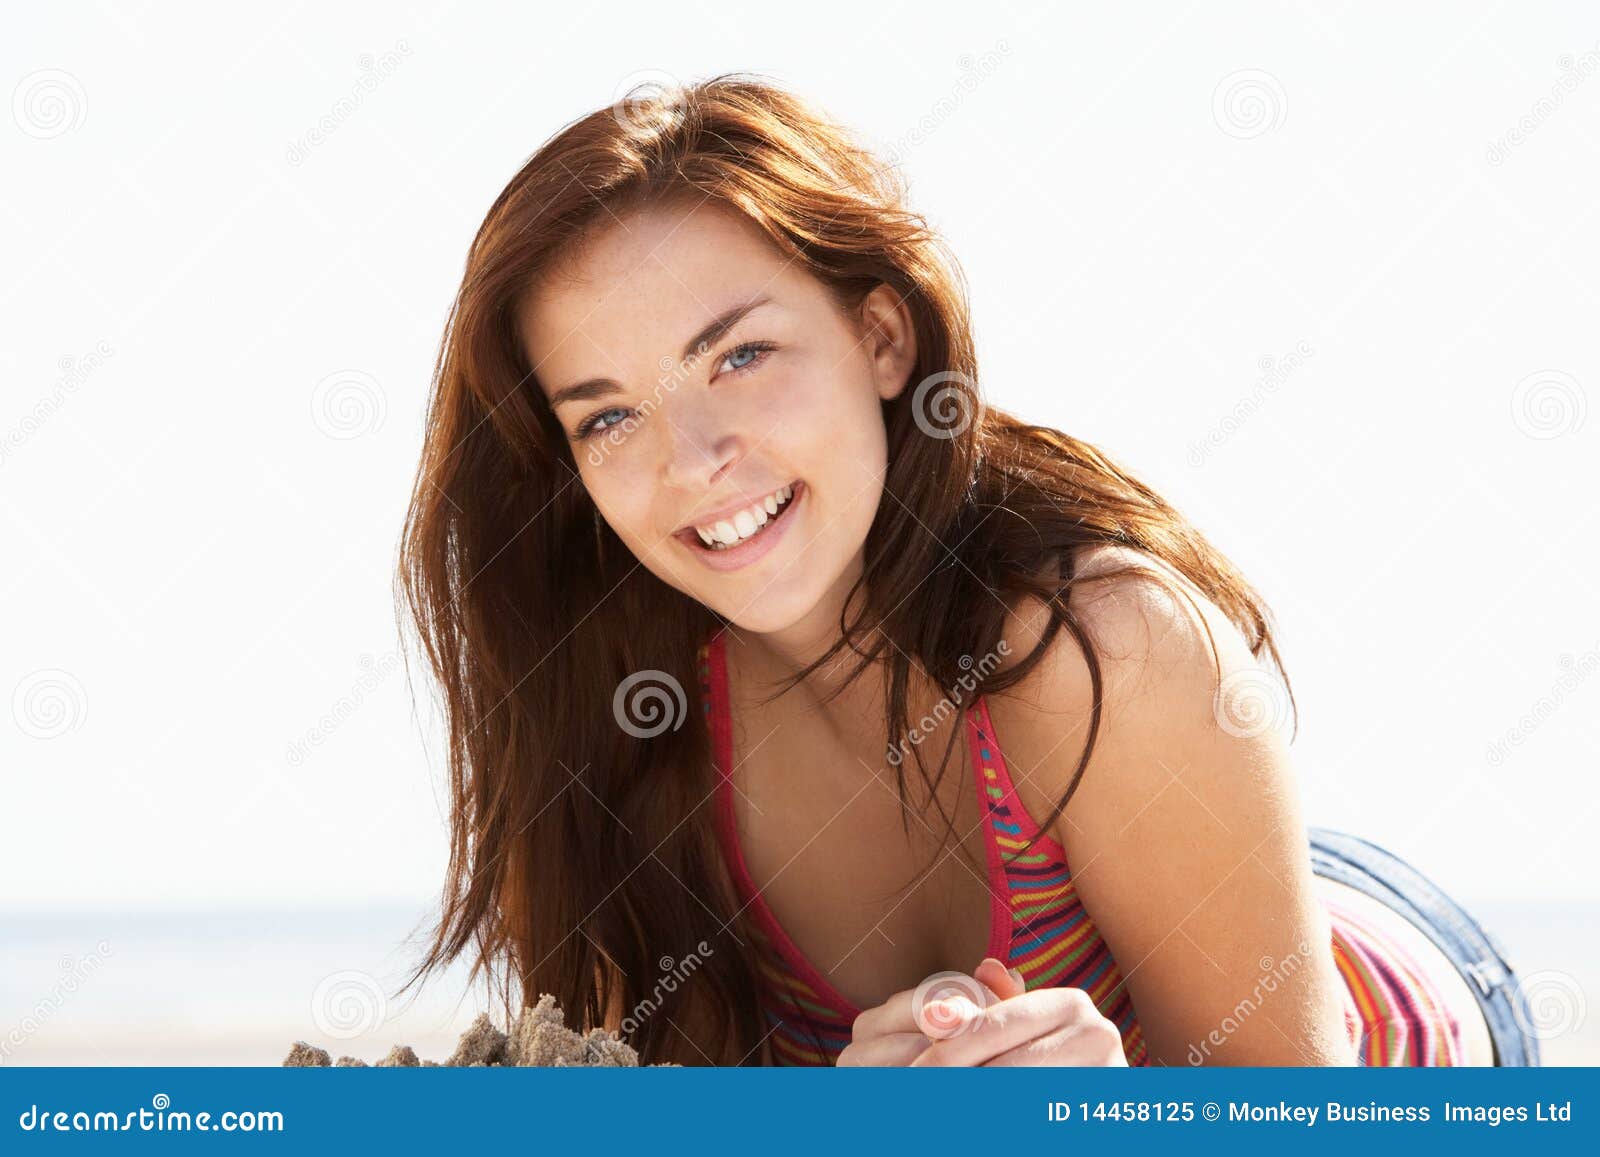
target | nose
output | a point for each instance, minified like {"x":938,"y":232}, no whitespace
{"x":700,"y":450}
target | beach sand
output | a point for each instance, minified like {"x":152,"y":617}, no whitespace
{"x":540,"y":1037}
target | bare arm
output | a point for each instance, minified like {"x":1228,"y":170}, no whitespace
{"x":1185,"y":836}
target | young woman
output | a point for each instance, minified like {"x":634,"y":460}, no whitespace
{"x":803,"y":709}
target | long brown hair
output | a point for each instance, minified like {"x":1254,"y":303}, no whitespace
{"x":583,"y":856}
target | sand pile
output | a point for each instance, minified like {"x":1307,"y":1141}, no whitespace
{"x":539,"y":1037}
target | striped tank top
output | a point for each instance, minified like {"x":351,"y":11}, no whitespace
{"x":1393,"y":1014}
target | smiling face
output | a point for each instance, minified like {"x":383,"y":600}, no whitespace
{"x":713,"y":389}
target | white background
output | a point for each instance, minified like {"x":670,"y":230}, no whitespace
{"x":223,"y":289}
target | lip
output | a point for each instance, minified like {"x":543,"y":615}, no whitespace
{"x":727,"y":512}
{"x":749,"y":551}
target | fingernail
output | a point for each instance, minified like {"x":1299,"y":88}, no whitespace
{"x":1016,"y":974}
{"x":954,"y":1006}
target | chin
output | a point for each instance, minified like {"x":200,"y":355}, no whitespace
{"x":767,"y":615}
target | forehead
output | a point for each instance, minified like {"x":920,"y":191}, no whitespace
{"x":642,"y":286}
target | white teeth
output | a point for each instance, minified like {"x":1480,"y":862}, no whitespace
{"x":746,"y":522}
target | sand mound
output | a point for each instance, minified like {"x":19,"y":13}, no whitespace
{"x":539,"y":1037}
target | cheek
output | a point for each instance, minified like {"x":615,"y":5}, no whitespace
{"x":823,"y":411}
{"x":622,"y":498}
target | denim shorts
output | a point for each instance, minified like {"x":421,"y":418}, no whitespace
{"x":1476,"y":953}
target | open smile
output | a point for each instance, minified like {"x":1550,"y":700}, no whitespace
{"x":738,"y":537}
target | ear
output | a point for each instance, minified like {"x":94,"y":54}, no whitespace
{"x":890,"y":340}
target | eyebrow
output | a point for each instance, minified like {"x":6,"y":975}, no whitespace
{"x":600,"y":387}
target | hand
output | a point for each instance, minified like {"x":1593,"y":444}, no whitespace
{"x":985,"y":1019}
{"x":1048,"y":1026}
{"x":897,"y":1031}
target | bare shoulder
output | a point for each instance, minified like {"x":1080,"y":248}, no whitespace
{"x":1137,"y":609}
{"x":1184,"y":835}
{"x":1163,"y":650}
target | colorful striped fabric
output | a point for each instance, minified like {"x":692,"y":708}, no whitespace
{"x":1397,"y":1011}
{"x":1042,"y":929}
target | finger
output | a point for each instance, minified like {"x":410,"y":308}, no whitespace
{"x":907,"y":1011}
{"x":895,"y":1049}
{"x":1090,"y":1044}
{"x":897,"y":1013}
{"x":1002,"y":981}
{"x":947,"y":1005}
{"x":987,"y":1032}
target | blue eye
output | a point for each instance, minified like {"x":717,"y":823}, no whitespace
{"x":747,"y":356}
{"x":596,"y":422}
{"x":753,"y":348}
